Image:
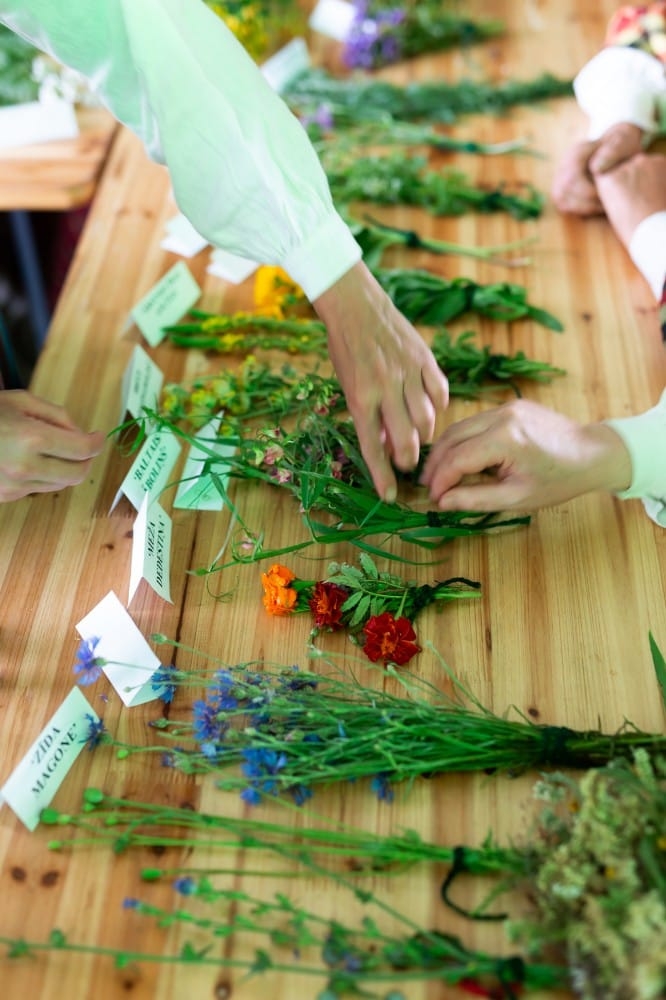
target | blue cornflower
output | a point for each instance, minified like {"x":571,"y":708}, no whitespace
{"x":381,"y":786}
{"x":211,"y":750}
{"x":220,"y":692}
{"x":251,"y":796}
{"x":130,"y":903}
{"x":207,"y":727}
{"x":300,"y":794}
{"x":185,"y":885}
{"x":163,"y":683}
{"x":260,"y":761}
{"x":87,"y":665}
{"x":95,"y":733}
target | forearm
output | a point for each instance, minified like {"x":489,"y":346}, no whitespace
{"x":242,"y":167}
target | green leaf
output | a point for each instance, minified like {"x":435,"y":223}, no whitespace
{"x":368,"y":565}
{"x":659,"y":666}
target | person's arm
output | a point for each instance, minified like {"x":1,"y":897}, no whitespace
{"x":623,"y":92}
{"x":247,"y":177}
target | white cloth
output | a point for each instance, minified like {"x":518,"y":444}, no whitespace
{"x":622,"y":85}
{"x":645,"y":438}
{"x":242,"y":167}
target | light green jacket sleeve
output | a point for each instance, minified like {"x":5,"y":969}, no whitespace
{"x":645,"y":438}
{"x":242,"y":168}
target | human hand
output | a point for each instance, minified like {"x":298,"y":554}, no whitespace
{"x":536,"y":457}
{"x":391,"y":381}
{"x":574,"y":187}
{"x":632,"y":192}
{"x":41,"y":449}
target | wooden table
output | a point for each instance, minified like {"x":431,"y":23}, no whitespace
{"x":561,"y":632}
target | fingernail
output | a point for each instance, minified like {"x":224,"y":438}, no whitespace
{"x":391,"y":494}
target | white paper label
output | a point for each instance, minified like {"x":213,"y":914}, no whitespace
{"x":33,"y":784}
{"x":182,"y":238}
{"x":166,"y":303}
{"x":288,"y":63}
{"x":130,"y":662}
{"x":332,"y":18}
{"x":151,"y":550}
{"x":230,"y":267}
{"x":37,"y":121}
{"x":151,"y":468}
{"x":142,"y":383}
{"x":197,"y":490}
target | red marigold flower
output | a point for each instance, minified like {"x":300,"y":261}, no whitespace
{"x":389,"y":639}
{"x":326,"y":604}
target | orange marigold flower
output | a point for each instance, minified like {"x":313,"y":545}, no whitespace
{"x":279,"y":598}
{"x":326,"y":604}
{"x":389,"y":639}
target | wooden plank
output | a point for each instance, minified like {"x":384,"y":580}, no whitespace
{"x":560,"y":632}
{"x":58,"y":175}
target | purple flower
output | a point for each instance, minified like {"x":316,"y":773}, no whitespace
{"x":130,"y":903}
{"x":88,"y":667}
{"x":322,"y":117}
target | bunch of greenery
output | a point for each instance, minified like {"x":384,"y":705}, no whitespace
{"x":17,"y":84}
{"x":401,"y":180}
{"x":355,"y":101}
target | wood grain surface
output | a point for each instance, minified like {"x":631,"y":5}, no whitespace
{"x":561,"y":632}
{"x":58,"y":175}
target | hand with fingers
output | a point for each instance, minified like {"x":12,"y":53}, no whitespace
{"x":533,"y":456}
{"x":574,"y":188}
{"x":41,"y":449}
{"x":393,"y":386}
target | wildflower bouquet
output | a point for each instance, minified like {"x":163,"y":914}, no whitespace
{"x":289,"y":730}
{"x":382,"y":34}
{"x":379,"y":607}
{"x":354,"y":101}
{"x":321,"y":465}
{"x":593,"y":866}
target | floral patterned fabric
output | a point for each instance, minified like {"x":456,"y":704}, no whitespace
{"x":640,"y":26}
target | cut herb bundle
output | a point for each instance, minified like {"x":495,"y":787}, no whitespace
{"x":356,"y":101}
{"x":17,"y":83}
{"x":400,"y":180}
{"x":430,"y":299}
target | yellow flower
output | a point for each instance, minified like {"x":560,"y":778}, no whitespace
{"x":272,"y":285}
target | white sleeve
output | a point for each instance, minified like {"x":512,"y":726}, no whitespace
{"x":645,"y":438}
{"x":647,"y":249}
{"x":242,"y":167}
{"x":621,"y":84}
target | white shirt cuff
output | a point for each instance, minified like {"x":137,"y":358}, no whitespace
{"x":647,"y":249}
{"x":620,"y":85}
{"x":325,"y":256}
{"x":645,"y":438}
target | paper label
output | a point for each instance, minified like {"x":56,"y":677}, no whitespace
{"x":231,"y":267}
{"x":142,"y":383}
{"x":182,"y":238}
{"x":166,"y":303}
{"x":130,"y":662}
{"x":37,"y":121}
{"x":33,"y":784}
{"x":287,"y":63}
{"x":151,"y":550}
{"x":196,"y":490}
{"x":151,"y":468}
{"x":332,"y":18}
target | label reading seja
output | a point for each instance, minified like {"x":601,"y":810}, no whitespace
{"x":38,"y":777}
{"x":166,"y":303}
